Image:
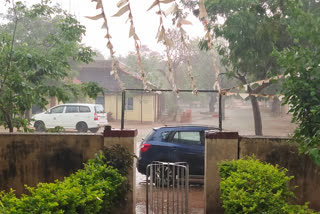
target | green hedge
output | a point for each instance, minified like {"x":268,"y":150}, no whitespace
{"x":95,"y":189}
{"x":250,"y":186}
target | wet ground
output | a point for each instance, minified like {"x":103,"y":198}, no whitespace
{"x":238,"y":118}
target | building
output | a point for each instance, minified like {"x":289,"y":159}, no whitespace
{"x":140,"y":106}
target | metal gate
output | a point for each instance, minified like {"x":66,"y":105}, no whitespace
{"x":168,"y":187}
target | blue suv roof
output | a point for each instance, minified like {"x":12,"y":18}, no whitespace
{"x":186,"y":127}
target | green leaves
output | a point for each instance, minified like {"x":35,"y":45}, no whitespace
{"x":248,"y":30}
{"x":92,"y":89}
{"x":250,"y":186}
{"x":71,"y":29}
{"x":302,"y":85}
{"x":95,"y":189}
{"x":36,"y":65}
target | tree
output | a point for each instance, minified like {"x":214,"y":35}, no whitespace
{"x":302,"y":69}
{"x":252,"y":29}
{"x":152,"y":63}
{"x":202,"y":68}
{"x":37,"y":46}
{"x":205,"y":72}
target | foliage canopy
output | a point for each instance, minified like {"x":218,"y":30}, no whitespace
{"x":301,"y":88}
{"x":38,"y":46}
{"x":268,"y":37}
{"x":250,"y":30}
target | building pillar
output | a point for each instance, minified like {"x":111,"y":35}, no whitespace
{"x":127,"y":139}
{"x":219,"y":146}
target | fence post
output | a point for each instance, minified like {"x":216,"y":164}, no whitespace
{"x":220,"y":111}
{"x":123,"y":107}
{"x":219,"y":146}
{"x":127,"y":139}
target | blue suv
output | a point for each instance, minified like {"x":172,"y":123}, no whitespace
{"x":174,"y":144}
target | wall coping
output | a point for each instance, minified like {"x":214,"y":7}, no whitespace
{"x":108,"y":132}
{"x":265,"y":137}
{"x":45,"y":133}
{"x":221,"y":135}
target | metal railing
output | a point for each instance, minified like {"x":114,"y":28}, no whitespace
{"x":167,"y":90}
{"x":168,"y":187}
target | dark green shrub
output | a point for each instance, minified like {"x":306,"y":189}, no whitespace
{"x":56,"y":129}
{"x":297,"y":209}
{"x":95,"y":189}
{"x":118,"y":157}
{"x":250,"y":186}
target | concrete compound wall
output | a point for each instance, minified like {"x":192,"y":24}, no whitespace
{"x":33,"y":158}
{"x":275,"y":150}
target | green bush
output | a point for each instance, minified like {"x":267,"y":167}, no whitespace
{"x":56,"y":129}
{"x":297,"y":209}
{"x":118,"y":157}
{"x":250,"y":186}
{"x":95,"y":189}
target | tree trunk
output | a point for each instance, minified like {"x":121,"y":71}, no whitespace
{"x":275,"y":108}
{"x":255,"y":104}
{"x":256,"y":116}
{"x":8,"y":121}
{"x":175,"y":108}
{"x":27,"y":115}
{"x":212,"y":102}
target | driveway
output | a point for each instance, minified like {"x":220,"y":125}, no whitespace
{"x":237,"y":119}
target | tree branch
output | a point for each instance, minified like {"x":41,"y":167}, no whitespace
{"x":260,"y":88}
{"x":12,"y":44}
{"x":242,"y":78}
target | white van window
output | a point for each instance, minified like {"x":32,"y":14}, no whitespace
{"x":72,"y":109}
{"x":99,"y":109}
{"x":84,"y":109}
{"x":57,"y":110}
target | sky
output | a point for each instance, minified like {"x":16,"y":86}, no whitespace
{"x":146,"y":24}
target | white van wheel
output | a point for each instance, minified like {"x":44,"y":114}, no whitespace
{"x":94,"y":130}
{"x":82,"y":127}
{"x":39,"y":126}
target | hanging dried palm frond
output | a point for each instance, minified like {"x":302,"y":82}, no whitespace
{"x":203,"y":16}
{"x":174,"y":9}
{"x":115,"y":62}
{"x":162,"y":37}
{"x":125,"y":4}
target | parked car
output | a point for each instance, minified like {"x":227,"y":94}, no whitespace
{"x":174,"y":144}
{"x":82,"y":117}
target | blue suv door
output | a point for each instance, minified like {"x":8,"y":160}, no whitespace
{"x":188,"y":146}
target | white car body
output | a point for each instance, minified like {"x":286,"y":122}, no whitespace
{"x":80,"y":116}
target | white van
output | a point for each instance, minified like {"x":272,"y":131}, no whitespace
{"x":82,"y":117}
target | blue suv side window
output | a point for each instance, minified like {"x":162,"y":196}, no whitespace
{"x":164,"y":136}
{"x":193,"y":138}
